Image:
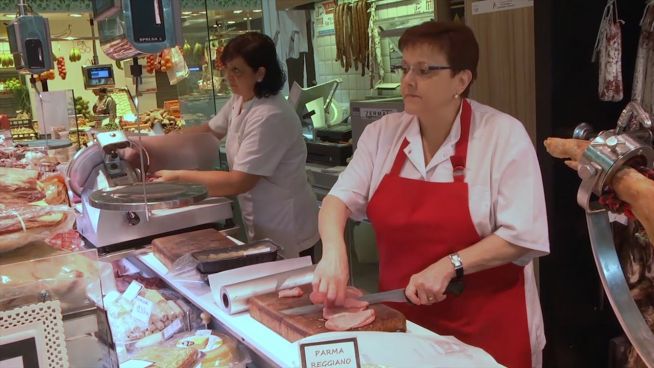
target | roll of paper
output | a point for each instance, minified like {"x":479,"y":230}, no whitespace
{"x":234,"y":297}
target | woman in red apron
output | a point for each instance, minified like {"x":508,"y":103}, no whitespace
{"x":425,"y":232}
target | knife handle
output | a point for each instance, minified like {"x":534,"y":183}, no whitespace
{"x":455,"y":287}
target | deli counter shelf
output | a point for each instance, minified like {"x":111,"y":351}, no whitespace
{"x":269,"y":346}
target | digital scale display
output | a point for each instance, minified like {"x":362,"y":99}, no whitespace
{"x":97,"y":76}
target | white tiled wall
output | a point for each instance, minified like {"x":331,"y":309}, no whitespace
{"x":355,"y":86}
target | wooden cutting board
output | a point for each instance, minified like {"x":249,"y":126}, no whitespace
{"x":267,"y":310}
{"x":169,"y":248}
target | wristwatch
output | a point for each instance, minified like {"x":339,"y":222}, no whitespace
{"x":458,"y":265}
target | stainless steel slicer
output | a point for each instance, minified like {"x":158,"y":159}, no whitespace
{"x":116,"y":206}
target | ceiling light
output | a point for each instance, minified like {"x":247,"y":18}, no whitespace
{"x":257,"y":10}
{"x":230,"y":22}
{"x":70,"y":38}
{"x":187,"y":13}
{"x":203,"y":12}
{"x":75,"y":15}
{"x":238,"y":11}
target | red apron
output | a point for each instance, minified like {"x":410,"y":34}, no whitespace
{"x":417,"y":223}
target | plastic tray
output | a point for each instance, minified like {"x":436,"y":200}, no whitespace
{"x":206,"y":265}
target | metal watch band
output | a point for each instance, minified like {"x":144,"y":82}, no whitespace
{"x":458,"y":265}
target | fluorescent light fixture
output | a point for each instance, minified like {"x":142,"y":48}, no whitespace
{"x":257,"y":10}
{"x":187,"y":13}
{"x":75,"y":15}
{"x":70,"y":38}
{"x":238,"y":11}
{"x":230,"y":22}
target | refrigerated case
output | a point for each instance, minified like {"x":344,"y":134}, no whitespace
{"x":206,"y":31}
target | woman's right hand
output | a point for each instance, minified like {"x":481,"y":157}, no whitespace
{"x":331,"y":276}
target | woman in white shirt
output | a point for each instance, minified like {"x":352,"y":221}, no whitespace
{"x":266,"y":152}
{"x":451,"y":187}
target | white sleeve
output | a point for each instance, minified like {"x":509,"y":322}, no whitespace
{"x":219,"y":122}
{"x":353,"y":185}
{"x":521,"y":217}
{"x":264,"y":143}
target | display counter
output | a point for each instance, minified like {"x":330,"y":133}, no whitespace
{"x":273,"y":350}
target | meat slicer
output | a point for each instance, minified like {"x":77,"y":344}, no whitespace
{"x":608,"y":152}
{"x":116,"y":206}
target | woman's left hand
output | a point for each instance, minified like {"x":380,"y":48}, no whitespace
{"x":428,"y":286}
{"x":166,"y":175}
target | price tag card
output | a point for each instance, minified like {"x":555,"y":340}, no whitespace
{"x":142,"y":310}
{"x":172,"y":329}
{"x":132,"y":290}
{"x":343,"y":353}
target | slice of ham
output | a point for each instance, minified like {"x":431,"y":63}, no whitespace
{"x":290,"y":293}
{"x":330,"y":312}
{"x":346,"y":321}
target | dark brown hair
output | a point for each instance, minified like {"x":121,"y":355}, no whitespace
{"x":258,"y":50}
{"x":454,"y":39}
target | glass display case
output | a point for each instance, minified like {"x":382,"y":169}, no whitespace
{"x":206,"y":31}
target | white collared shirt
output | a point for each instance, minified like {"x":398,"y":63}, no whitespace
{"x":264,"y":138}
{"x":502,"y":171}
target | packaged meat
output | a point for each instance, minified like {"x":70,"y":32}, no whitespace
{"x":63,"y":277}
{"x":22,"y":225}
{"x":217,"y":260}
{"x":165,"y":357}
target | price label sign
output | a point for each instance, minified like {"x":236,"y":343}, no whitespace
{"x":132,"y":290}
{"x":172,"y":329}
{"x":142,"y":310}
{"x":343,"y":353}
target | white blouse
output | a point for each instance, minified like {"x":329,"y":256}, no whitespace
{"x":502,"y":171}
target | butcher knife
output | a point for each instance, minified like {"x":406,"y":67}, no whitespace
{"x":396,"y":295}
{"x":454,"y":287}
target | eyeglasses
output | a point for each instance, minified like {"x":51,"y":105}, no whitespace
{"x":420,"y":69}
{"x":234,"y":71}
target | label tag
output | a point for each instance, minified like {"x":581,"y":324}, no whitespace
{"x":132,"y":291}
{"x":342,"y":353}
{"x":142,"y":310}
{"x":172,"y":329}
{"x":374,"y":114}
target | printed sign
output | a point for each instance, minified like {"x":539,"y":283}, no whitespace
{"x":142,"y":310}
{"x":491,"y":6}
{"x":324,"y":18}
{"x":132,"y":290}
{"x":342,"y":353}
{"x":374,"y":114}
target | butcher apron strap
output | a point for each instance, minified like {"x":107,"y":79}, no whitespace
{"x":461,"y":151}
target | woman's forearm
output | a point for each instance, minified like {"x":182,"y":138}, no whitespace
{"x":219,"y":183}
{"x":492,"y":251}
{"x":331,"y":224}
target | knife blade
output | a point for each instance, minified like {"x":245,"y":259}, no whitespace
{"x":454,"y":287}
{"x":396,"y":295}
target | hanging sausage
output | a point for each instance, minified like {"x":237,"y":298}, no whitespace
{"x":608,"y":48}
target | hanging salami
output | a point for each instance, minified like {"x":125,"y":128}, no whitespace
{"x":608,"y":48}
{"x":642,"y":90}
